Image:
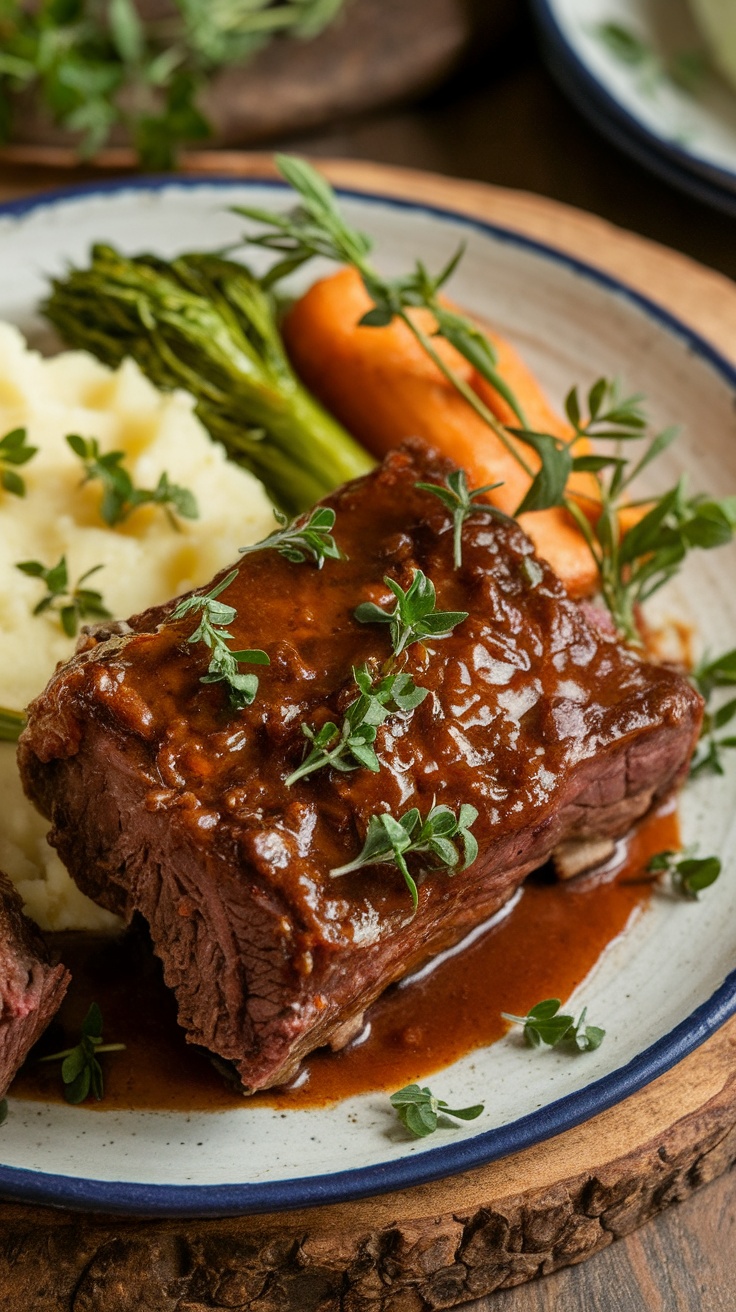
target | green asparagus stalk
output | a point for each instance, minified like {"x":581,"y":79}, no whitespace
{"x":205,"y":324}
{"x":11,"y":725}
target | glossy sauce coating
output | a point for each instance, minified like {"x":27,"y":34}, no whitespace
{"x":544,"y":946}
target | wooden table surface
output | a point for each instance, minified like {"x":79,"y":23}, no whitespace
{"x":504,"y":121}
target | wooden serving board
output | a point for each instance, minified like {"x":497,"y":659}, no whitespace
{"x":438,"y":1245}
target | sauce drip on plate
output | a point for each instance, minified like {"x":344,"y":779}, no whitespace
{"x":542,"y":945}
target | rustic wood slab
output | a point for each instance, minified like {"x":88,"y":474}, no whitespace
{"x":438,"y":1245}
{"x":374,"y":54}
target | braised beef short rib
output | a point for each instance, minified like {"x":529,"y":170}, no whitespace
{"x":31,"y":990}
{"x":166,"y":802}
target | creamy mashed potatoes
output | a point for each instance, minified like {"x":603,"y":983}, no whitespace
{"x":144,"y":559}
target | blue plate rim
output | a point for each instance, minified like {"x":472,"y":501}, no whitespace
{"x":565,"y":63}
{"x":695,"y":185}
{"x":140,"y":1198}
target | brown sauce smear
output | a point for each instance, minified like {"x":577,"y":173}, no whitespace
{"x":543,"y":947}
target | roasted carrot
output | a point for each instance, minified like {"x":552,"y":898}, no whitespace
{"x":383,"y":387}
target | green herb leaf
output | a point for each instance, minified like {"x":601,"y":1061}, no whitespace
{"x":81,"y":1072}
{"x":421,"y":1113}
{"x":414,"y":617}
{"x":14,"y":451}
{"x":351,"y":746}
{"x":462,"y":503}
{"x":119,"y":495}
{"x":212,"y":631}
{"x":12,"y":724}
{"x":72,"y":605}
{"x":307,"y":538}
{"x":388,"y":840}
{"x":689,"y":875}
{"x":546,"y":1024}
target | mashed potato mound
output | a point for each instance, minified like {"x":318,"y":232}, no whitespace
{"x":145,"y":560}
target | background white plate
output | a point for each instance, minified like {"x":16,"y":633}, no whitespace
{"x":689,"y":140}
{"x":662,"y":988}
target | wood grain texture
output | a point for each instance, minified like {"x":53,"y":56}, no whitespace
{"x":440,"y":1245}
{"x":428,"y":1248}
{"x":375,"y":53}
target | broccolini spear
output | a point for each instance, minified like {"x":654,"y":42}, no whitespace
{"x":205,"y":324}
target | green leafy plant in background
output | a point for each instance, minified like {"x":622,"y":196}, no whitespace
{"x":95,"y":65}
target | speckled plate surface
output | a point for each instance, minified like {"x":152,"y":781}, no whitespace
{"x":689,"y":140}
{"x":662,"y":987}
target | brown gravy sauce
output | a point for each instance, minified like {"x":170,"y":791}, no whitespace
{"x":543,"y":946}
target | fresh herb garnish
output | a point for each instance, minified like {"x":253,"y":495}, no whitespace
{"x":3,"y":1111}
{"x":462,"y":502}
{"x":212,"y":631}
{"x":350,"y":746}
{"x":101,"y":67}
{"x":80,"y":1069}
{"x":307,"y":538}
{"x":688,"y":69}
{"x":317,"y":228}
{"x":388,"y":840}
{"x":205,"y":324}
{"x":71,"y":604}
{"x":413,"y":618}
{"x":12,"y":724}
{"x":689,"y":875}
{"x":421,"y":1113}
{"x":119,"y":495}
{"x":546,"y":1024}
{"x":14,"y":451}
{"x":632,"y":565}
{"x":712,"y":673}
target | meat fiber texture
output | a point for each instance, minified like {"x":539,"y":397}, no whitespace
{"x":31,"y":990}
{"x":165,"y":801}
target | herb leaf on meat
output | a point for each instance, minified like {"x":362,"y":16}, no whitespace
{"x":71,"y":604}
{"x":350,"y":746}
{"x":421,"y":1113}
{"x":689,"y":875}
{"x":414,"y":617}
{"x":14,"y":451}
{"x":307,"y":538}
{"x":120,"y":497}
{"x":212,"y":631}
{"x":389,"y":840}
{"x":80,"y":1069}
{"x":462,"y":502}
{"x":546,"y":1024}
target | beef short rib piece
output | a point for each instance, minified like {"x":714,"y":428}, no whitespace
{"x":31,"y":990}
{"x":165,"y":801}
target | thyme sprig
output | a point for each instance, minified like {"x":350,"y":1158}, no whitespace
{"x":120,"y":497}
{"x":389,"y":840}
{"x":309,"y":537}
{"x":689,"y":874}
{"x":421,"y":1113}
{"x":546,"y":1024}
{"x":350,"y":746}
{"x":710,"y":674}
{"x":72,"y":604}
{"x":14,"y":451}
{"x":12,"y":724}
{"x":80,"y":1069}
{"x":212,"y":631}
{"x":414,"y":617}
{"x":317,"y":228}
{"x":462,"y":503}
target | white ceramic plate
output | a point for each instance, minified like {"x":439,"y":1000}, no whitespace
{"x":689,"y":140}
{"x":662,"y":988}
